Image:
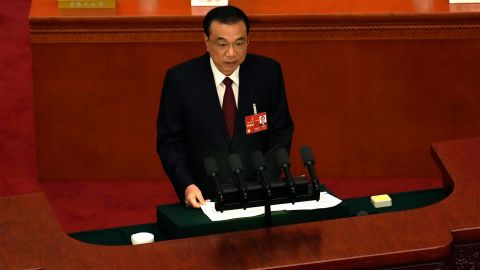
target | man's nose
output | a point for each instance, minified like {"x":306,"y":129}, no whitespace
{"x":231,"y":51}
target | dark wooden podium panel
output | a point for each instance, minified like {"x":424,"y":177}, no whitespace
{"x":32,"y":238}
{"x":370,"y":83}
{"x":459,"y":162}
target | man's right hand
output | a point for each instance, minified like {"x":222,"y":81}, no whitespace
{"x":193,"y":197}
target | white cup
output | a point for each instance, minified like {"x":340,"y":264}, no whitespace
{"x":142,"y":238}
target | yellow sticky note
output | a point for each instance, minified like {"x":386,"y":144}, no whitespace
{"x":379,"y":201}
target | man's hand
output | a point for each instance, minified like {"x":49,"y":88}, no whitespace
{"x":193,"y":196}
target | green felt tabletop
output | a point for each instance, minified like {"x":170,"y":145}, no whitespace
{"x":176,"y":221}
{"x":117,"y":236}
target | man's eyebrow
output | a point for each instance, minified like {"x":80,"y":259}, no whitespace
{"x":238,"y":39}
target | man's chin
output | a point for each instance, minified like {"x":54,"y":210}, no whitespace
{"x":228,"y":72}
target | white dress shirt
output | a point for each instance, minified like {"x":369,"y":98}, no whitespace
{"x":219,"y":77}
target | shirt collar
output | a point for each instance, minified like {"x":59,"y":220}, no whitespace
{"x":218,"y":75}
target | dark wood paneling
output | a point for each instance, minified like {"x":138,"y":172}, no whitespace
{"x":368,"y":108}
{"x":368,"y":89}
{"x":96,"y":108}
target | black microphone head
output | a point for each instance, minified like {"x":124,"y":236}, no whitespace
{"x":235,"y":163}
{"x":258,"y":161}
{"x":210,"y":166}
{"x":307,"y":155}
{"x":281,"y":156}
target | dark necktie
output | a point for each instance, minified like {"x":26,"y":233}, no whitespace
{"x":229,"y":106}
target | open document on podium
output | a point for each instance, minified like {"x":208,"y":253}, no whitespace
{"x":326,"y":201}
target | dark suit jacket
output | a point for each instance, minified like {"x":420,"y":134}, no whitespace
{"x":191,"y":126}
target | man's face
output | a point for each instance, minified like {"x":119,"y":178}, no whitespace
{"x":227,"y":45}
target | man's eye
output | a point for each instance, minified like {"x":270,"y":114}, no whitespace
{"x":222,"y":44}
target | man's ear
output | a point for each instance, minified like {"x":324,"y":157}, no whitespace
{"x":205,"y":39}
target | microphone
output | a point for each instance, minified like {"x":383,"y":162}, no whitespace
{"x":309,"y":162}
{"x":281,"y":156}
{"x":237,"y":170}
{"x":259,"y":163}
{"x":212,"y":171}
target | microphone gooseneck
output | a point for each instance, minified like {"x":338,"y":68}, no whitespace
{"x":259,"y":163}
{"x":281,"y":156}
{"x":212,"y":171}
{"x":236,"y":168}
{"x":309,"y":162}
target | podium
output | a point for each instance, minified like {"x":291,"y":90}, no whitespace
{"x":418,"y":235}
{"x":177,"y":221}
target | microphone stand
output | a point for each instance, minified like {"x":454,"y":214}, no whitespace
{"x":268,"y":198}
{"x":283,"y":162}
{"x":237,"y":170}
{"x":308,"y":161}
{"x":259,"y":164}
{"x":211,"y":169}
{"x":290,"y":182}
{"x":220,"y":201}
{"x":313,"y":180}
{"x":243,"y":190}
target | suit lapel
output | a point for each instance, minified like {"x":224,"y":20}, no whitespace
{"x":205,"y":84}
{"x":245,"y":99}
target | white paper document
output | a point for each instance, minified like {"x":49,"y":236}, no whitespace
{"x":463,"y":1}
{"x":208,"y":3}
{"x":326,"y":201}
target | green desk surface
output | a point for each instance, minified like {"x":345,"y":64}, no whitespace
{"x":176,"y":221}
{"x":117,"y":236}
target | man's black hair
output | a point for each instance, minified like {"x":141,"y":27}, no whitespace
{"x":225,"y":15}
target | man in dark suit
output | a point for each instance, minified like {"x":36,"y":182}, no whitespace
{"x":205,"y":102}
